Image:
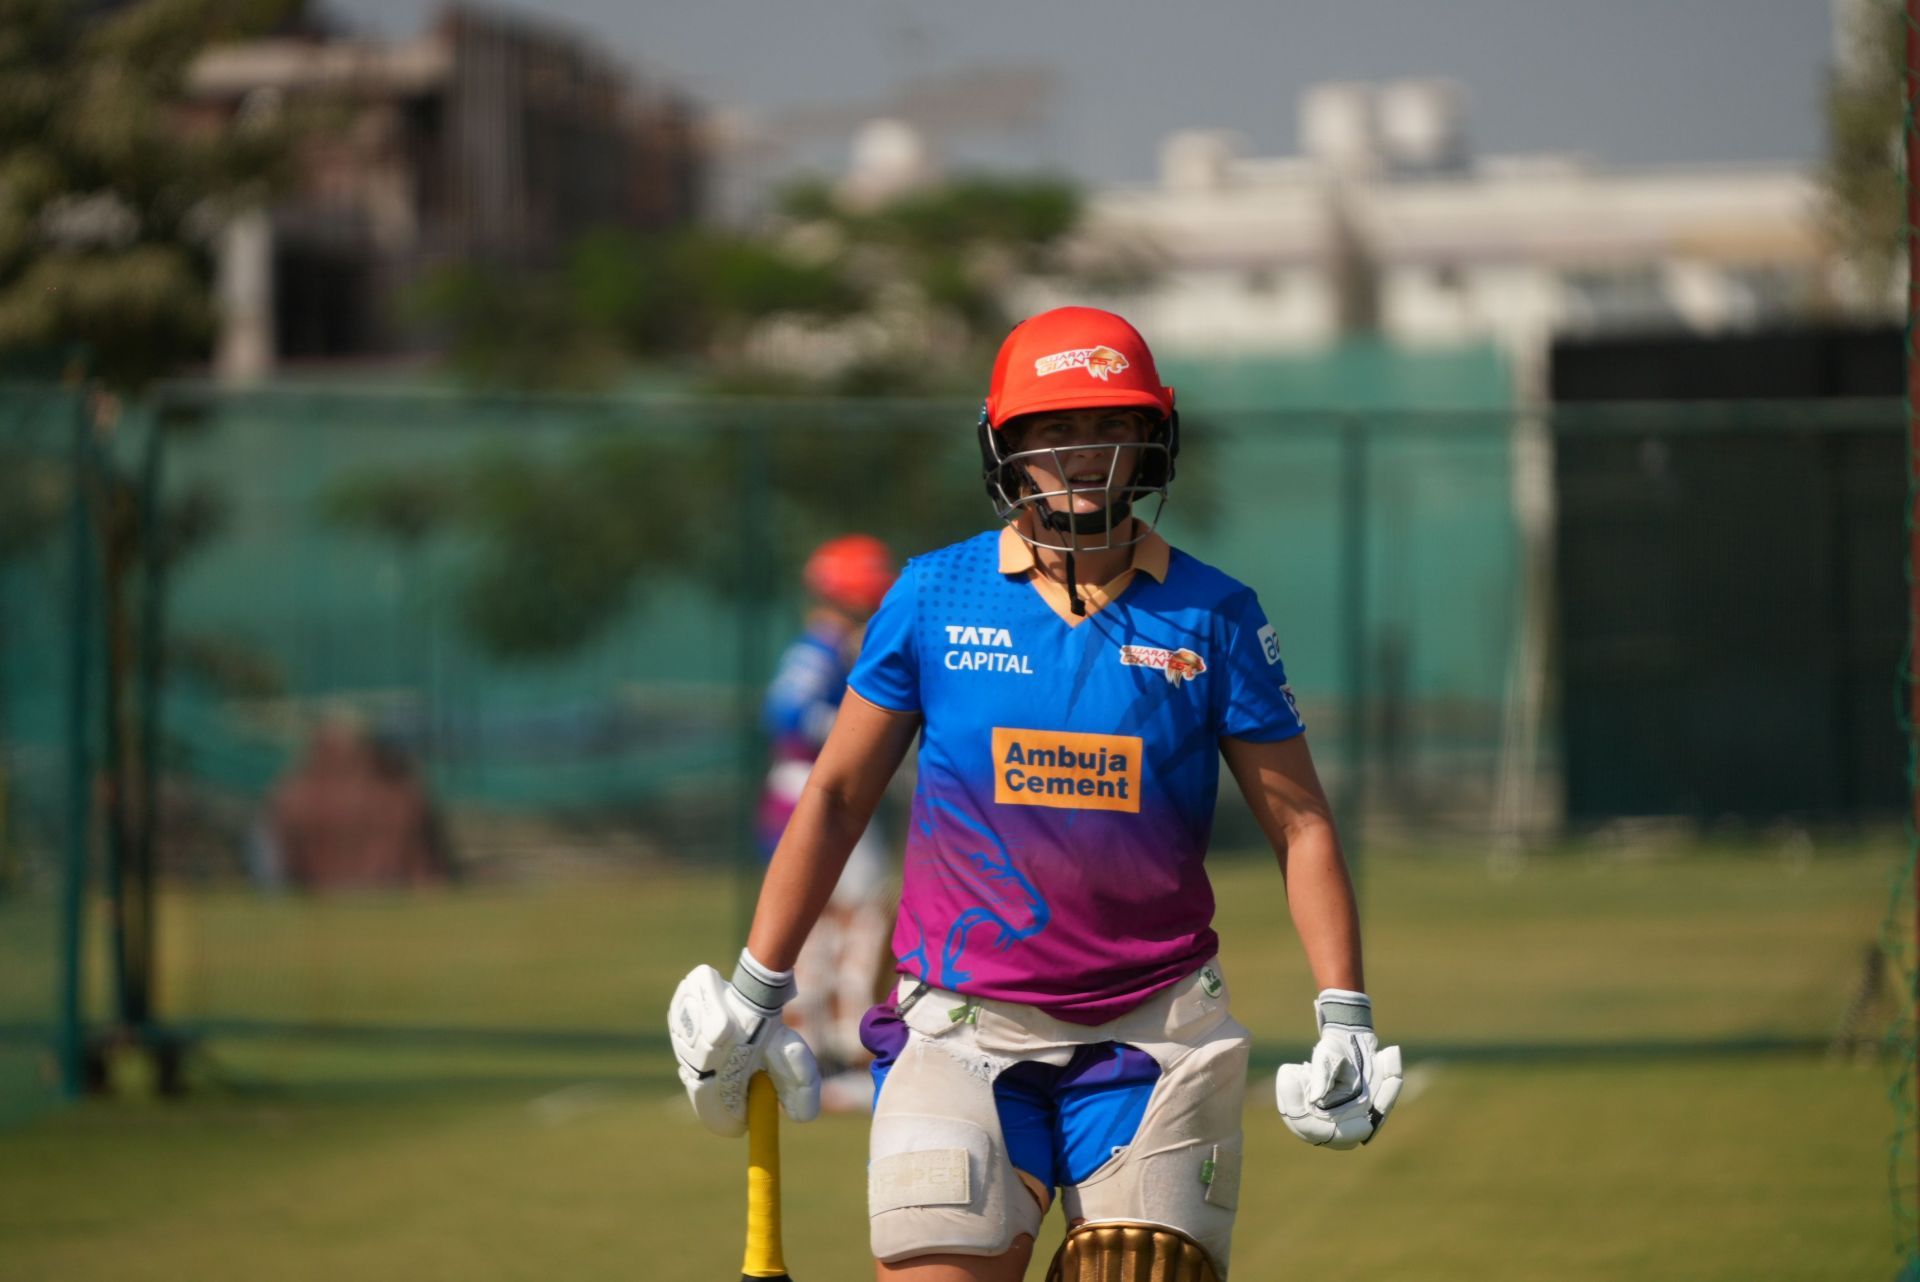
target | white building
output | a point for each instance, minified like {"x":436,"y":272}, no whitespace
{"x":1386,"y":223}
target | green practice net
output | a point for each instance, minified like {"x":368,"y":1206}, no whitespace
{"x":553,"y":622}
{"x":41,"y":586}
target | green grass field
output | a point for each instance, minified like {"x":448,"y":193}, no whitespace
{"x":1665,"y":1153}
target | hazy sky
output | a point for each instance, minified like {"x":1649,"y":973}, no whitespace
{"x":1626,"y":81}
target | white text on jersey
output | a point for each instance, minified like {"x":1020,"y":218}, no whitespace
{"x":983,"y":660}
{"x":959,"y":635}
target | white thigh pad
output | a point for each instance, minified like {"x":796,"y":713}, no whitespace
{"x":938,"y":1179}
{"x":1182,"y":1169}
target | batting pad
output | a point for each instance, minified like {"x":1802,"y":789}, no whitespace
{"x":1130,"y":1253}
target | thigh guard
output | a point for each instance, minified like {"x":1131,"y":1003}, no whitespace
{"x":1182,"y":1170}
{"x":938,"y":1178}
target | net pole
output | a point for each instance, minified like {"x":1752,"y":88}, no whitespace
{"x":1353,"y":626}
{"x":756,"y":487}
{"x":79,"y":795}
{"x":1911,"y":139}
{"x":152,"y":571}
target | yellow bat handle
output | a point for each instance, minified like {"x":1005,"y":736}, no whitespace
{"x":764,"y":1258}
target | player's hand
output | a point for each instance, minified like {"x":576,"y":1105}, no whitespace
{"x":1341,"y":1096}
{"x":723,"y":1033}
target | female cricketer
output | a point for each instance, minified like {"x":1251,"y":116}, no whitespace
{"x":1061,"y":1024}
{"x":845,"y":961}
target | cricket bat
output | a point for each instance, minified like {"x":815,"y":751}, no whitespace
{"x":764,"y":1259}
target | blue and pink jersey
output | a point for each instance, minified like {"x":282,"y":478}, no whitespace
{"x":1067,"y":770}
{"x":796,"y":715}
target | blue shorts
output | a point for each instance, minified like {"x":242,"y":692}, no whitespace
{"x":1060,"y":1123}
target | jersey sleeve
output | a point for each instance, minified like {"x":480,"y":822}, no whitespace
{"x":887,"y":673}
{"x":1255,"y":701}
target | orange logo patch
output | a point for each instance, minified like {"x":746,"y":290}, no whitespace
{"x":1175,"y":665}
{"x":1101,"y":362}
{"x":1065,"y":770}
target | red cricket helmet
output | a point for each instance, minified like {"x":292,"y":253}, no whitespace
{"x":853,"y":572}
{"x":1075,"y":358}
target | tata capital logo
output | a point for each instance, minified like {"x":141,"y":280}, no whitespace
{"x":988,"y":651}
{"x":1097,"y":361}
{"x":1175,"y":665}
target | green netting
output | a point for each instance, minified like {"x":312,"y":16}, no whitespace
{"x":555,"y":616}
{"x":39,"y":584}
{"x":1357,"y":376}
{"x":318,"y":610}
{"x":418,"y":562}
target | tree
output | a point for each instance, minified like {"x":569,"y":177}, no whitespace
{"x":1863,"y":202}
{"x":898,"y":298}
{"x":908,"y":298}
{"x":109,"y":191}
{"x":944,"y":264}
{"x":621,"y":298}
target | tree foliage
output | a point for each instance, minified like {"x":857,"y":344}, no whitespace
{"x":1864,"y":201}
{"x":900,"y":296}
{"x":108,"y":192}
{"x":917,"y":289}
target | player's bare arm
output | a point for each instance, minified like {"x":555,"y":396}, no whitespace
{"x":723,"y":1031}
{"x":1283,"y":789}
{"x":1343,"y":1092}
{"x":856,"y":763}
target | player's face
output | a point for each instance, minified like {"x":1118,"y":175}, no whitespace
{"x":1081,"y":454}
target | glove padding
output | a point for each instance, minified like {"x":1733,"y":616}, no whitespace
{"x":1341,"y":1096}
{"x":721,"y":1039}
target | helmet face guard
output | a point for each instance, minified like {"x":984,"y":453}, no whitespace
{"x":1015,"y":492}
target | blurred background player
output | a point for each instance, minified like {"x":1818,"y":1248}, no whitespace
{"x":846,"y":960}
{"x":354,"y":813}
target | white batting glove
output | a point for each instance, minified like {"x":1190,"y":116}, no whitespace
{"x":1341,"y":1096}
{"x":724,"y":1033}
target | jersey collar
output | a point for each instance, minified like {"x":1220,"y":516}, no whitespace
{"x":1151,"y":556}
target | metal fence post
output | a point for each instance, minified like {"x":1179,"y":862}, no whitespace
{"x":147,"y":701}
{"x":752,"y":589}
{"x":1353,"y":632}
{"x":72,"y":1031}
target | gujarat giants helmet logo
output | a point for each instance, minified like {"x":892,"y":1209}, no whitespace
{"x":1101,"y":362}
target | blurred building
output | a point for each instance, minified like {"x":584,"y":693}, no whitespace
{"x":1387,"y":223}
{"x":488,"y":138}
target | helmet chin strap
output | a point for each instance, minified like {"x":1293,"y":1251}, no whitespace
{"x":1073,"y":590}
{"x":1083,"y":523}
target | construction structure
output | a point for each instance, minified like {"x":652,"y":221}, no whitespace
{"x":488,"y":139}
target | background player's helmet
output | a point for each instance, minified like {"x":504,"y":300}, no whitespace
{"x":1075,"y":358}
{"x":853,"y":572}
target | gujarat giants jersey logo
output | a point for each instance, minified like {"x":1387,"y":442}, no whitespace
{"x":1101,"y":362}
{"x":1065,"y":770}
{"x":1175,"y":665}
